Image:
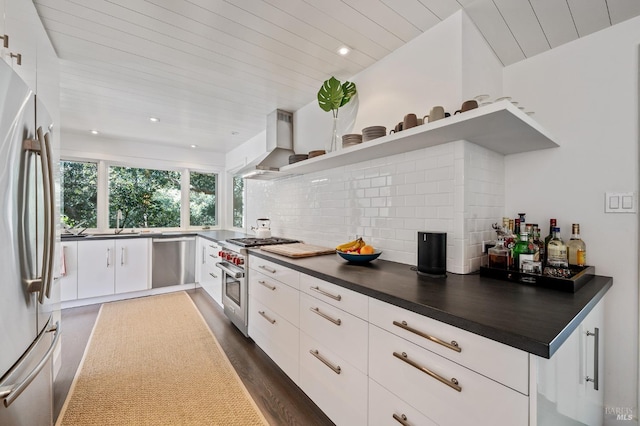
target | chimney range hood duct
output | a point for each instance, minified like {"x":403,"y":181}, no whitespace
{"x":279,"y":148}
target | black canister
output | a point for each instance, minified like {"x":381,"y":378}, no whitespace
{"x":432,"y":254}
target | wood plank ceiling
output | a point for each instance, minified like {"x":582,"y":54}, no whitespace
{"x":211,"y":70}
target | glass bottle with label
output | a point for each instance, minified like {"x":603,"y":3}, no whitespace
{"x":523,"y":251}
{"x":538,"y":242}
{"x":576,"y":248}
{"x":557,"y":263}
{"x":499,"y":255}
{"x":552,"y":224}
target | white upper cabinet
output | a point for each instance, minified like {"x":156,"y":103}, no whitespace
{"x":20,"y":20}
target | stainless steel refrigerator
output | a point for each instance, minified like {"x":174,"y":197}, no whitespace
{"x":27,"y":248}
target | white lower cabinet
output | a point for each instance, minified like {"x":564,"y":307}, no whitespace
{"x":209,"y":276}
{"x":107,"y":267}
{"x":276,"y":336}
{"x":336,"y":386}
{"x":364,"y":361}
{"x":68,"y":271}
{"x":386,"y":409}
{"x":568,"y":388}
{"x":443,"y":390}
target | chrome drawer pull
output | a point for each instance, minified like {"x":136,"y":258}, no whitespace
{"x":315,"y":353}
{"x":325,"y":316}
{"x":266,"y":268}
{"x":267,"y":285}
{"x":402,"y":419}
{"x":272,"y":321}
{"x":453,"y":383}
{"x":213,"y":275}
{"x":453,"y":345}
{"x":324,"y":293}
{"x":596,"y":350}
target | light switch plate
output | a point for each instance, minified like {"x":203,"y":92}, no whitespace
{"x":620,"y":202}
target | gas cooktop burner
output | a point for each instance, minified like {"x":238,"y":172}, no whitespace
{"x":256,"y":242}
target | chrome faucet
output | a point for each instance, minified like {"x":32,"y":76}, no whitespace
{"x":118,"y":219}
{"x":146,"y":225}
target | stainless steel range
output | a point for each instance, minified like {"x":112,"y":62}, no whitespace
{"x":234,"y":266}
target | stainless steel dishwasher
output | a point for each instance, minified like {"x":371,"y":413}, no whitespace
{"x":173,"y":262}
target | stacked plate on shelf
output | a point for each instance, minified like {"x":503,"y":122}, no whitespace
{"x":297,"y":157}
{"x":351,"y":139}
{"x":373,"y":132}
{"x":317,"y":153}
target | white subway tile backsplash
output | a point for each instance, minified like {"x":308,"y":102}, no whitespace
{"x":457,"y":188}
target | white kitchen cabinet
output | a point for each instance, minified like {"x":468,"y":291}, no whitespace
{"x":110,"y":266}
{"x":274,"y":312}
{"x":385,"y":407}
{"x":345,"y":334}
{"x":132,"y":264}
{"x":96,"y":268}
{"x":349,"y":301}
{"x":333,"y":383}
{"x":69,"y":272}
{"x":20,"y":21}
{"x":209,"y":275}
{"x":503,"y":363}
{"x":562,"y":392}
{"x":451,"y":394}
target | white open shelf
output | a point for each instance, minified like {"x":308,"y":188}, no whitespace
{"x":500,"y":127}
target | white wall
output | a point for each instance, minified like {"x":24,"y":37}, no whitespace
{"x":586,"y":94}
{"x":389,"y":200}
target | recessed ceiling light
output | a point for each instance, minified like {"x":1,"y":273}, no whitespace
{"x":344,"y":50}
{"x":154,"y":119}
{"x":94,"y":132}
{"x":194,"y":146}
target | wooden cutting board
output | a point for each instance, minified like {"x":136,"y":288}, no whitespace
{"x":298,"y":250}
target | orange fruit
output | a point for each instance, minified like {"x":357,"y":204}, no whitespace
{"x":367,"y":249}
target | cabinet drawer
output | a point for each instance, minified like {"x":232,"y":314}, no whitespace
{"x":340,"y":297}
{"x":479,"y":400}
{"x":500,"y":362}
{"x":341,"y":394}
{"x":276,"y":336}
{"x":275,"y":271}
{"x":279,"y":297}
{"x":341,"y":332}
{"x":386,"y":408}
{"x":211,"y":250}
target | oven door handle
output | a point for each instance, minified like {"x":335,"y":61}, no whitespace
{"x":226,"y":270}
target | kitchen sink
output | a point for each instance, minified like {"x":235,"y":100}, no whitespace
{"x":114,"y":235}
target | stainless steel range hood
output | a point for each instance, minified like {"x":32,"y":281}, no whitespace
{"x":279,"y":148}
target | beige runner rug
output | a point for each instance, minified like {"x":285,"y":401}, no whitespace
{"x":154,"y":361}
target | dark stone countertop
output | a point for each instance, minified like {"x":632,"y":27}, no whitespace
{"x":533,"y":319}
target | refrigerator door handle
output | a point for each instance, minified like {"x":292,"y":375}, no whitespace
{"x":9,"y":393}
{"x":42,"y":147}
{"x":49,"y":227}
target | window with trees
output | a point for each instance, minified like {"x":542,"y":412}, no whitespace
{"x":79,"y":193}
{"x":147,"y":198}
{"x":238,"y":202}
{"x":202,"y":199}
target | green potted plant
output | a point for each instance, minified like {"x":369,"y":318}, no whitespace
{"x":332,"y":95}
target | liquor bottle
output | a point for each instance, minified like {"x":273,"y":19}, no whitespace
{"x":523,"y":251}
{"x":499,"y":255}
{"x":538,"y":242}
{"x":557,"y":250}
{"x":576,"y":248}
{"x":552,"y":224}
{"x":557,"y":263}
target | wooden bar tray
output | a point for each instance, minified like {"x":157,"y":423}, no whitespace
{"x":581,"y":275}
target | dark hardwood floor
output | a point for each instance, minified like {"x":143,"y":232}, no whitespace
{"x":279,"y":399}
